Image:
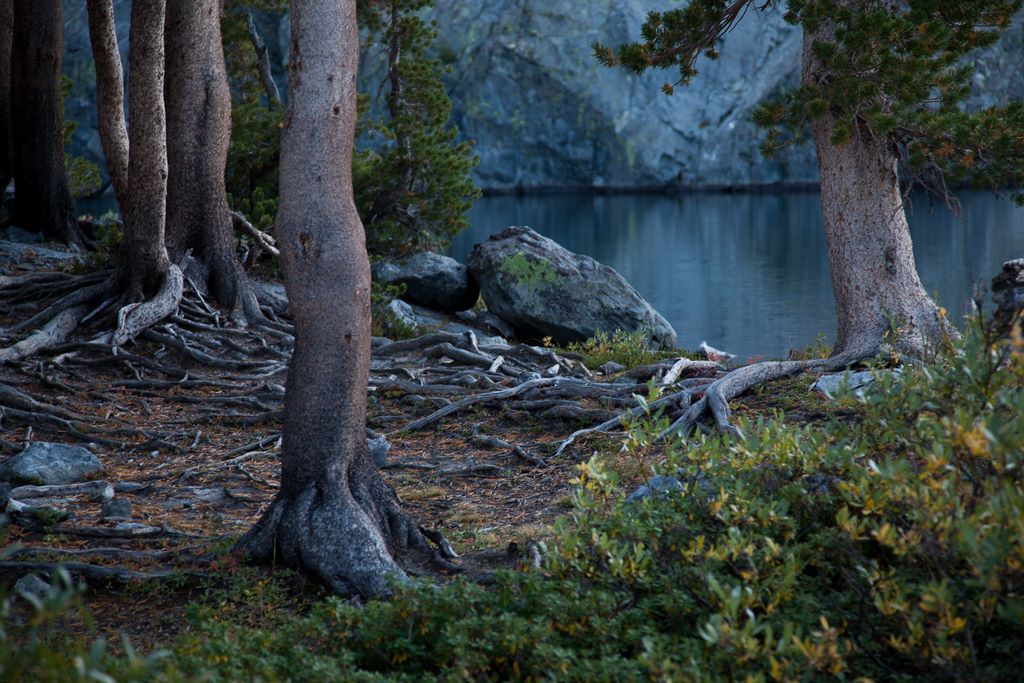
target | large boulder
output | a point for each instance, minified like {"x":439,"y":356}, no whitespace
{"x":431,"y":280}
{"x":545,"y":290}
{"x":51,"y":463}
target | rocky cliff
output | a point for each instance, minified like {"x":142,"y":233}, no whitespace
{"x":544,"y":114}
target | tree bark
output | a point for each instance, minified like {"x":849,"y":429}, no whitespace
{"x":198,"y":133}
{"x":42,"y":201}
{"x":110,"y":95}
{"x":333,"y":516}
{"x":144,"y":257}
{"x":874,"y":278}
{"x":6,"y":45}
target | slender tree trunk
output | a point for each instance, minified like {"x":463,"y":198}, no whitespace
{"x":877,"y":289}
{"x":110,"y":95}
{"x":42,"y":201}
{"x":333,"y":516}
{"x":144,"y":257}
{"x":198,"y":133}
{"x":6,"y":45}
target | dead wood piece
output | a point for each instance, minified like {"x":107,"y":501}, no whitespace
{"x":405,"y":387}
{"x":50,"y":335}
{"x":98,"y":490}
{"x":95,"y":571}
{"x":483,"y":398}
{"x":486,"y":441}
{"x":418,"y":343}
{"x":179,"y":554}
{"x":438,"y":539}
{"x":264,"y":241}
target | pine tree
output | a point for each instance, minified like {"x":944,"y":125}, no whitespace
{"x":883,"y":89}
{"x":882,"y":92}
{"x":413,"y":187}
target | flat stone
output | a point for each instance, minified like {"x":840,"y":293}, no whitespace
{"x":611,"y":367}
{"x":51,"y":463}
{"x":832,"y":385}
{"x":118,"y":508}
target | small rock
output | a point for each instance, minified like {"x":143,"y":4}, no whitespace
{"x":31,"y":585}
{"x":403,"y":312}
{"x":379,"y":449}
{"x":611,"y":367}
{"x":659,"y":485}
{"x":51,"y":463}
{"x":129,"y":487}
{"x":831,"y":385}
{"x":118,"y":508}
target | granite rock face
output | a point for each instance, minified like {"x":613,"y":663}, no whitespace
{"x":544,"y":290}
{"x":525,"y":86}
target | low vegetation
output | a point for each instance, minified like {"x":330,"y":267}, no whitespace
{"x":885,"y":544}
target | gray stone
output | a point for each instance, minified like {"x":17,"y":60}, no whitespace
{"x":51,"y":463}
{"x":130,"y":487}
{"x":118,"y":508}
{"x":659,"y":485}
{"x":833,"y":384}
{"x":431,"y":280}
{"x":611,"y":367}
{"x":31,"y":585}
{"x":403,"y":312}
{"x":379,"y":448}
{"x":544,"y":290}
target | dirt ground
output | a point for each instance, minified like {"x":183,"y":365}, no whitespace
{"x":198,"y":473}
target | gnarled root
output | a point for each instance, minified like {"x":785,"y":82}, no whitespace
{"x":715,"y":400}
{"x":134,"y":318}
{"x":352,"y":535}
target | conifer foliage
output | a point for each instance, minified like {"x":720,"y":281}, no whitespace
{"x":412,"y":180}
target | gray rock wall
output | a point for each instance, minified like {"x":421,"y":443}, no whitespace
{"x":544,"y":114}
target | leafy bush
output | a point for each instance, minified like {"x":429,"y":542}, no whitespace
{"x":888,"y":546}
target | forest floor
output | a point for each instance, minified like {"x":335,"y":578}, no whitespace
{"x":206,"y":471}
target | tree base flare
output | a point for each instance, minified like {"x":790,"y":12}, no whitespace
{"x":350,"y":537}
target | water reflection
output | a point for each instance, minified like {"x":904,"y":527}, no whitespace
{"x":748,"y":272}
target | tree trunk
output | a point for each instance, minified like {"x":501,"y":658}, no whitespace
{"x":42,"y":201}
{"x":110,"y":95}
{"x":333,"y":516}
{"x":198,"y":132}
{"x":6,"y":44}
{"x":877,"y":289}
{"x":144,"y":257}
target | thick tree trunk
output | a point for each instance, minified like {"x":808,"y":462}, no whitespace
{"x":877,"y":289}
{"x":6,"y":44}
{"x":42,"y":201}
{"x":333,"y":516}
{"x":110,"y":95}
{"x":198,"y":132}
{"x":144,"y":257}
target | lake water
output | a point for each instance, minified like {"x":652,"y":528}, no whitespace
{"x":748,"y":272}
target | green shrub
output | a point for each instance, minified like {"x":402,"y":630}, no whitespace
{"x":626,"y":348}
{"x":889,"y":547}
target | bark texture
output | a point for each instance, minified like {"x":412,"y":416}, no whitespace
{"x":144,"y":256}
{"x":333,"y":516}
{"x":109,"y":95}
{"x":871,"y":256}
{"x":6,"y":44}
{"x":198,"y":133}
{"x":42,"y":201}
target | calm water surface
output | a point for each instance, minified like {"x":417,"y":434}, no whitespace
{"x":748,"y":272}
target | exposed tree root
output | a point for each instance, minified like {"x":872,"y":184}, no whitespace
{"x":352,"y":534}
